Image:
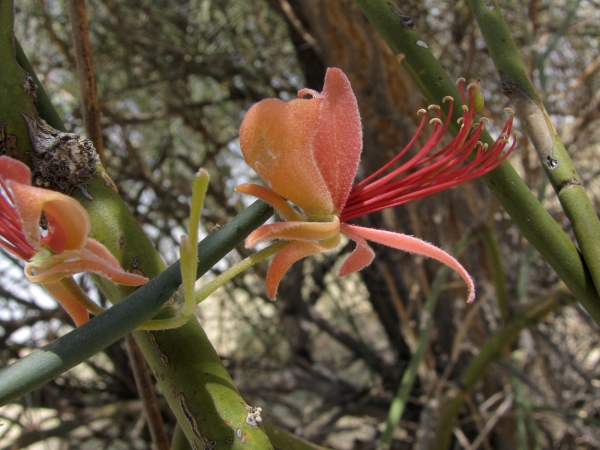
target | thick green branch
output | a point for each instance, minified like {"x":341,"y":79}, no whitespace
{"x":201,"y":393}
{"x":41,"y":366}
{"x":554,"y":158}
{"x":16,"y":94}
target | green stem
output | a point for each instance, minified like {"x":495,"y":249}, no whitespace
{"x":284,"y":440}
{"x":179,"y":441}
{"x":75,"y":290}
{"x":234,"y":270}
{"x":526,"y":426}
{"x":189,"y":243}
{"x":410,"y":375}
{"x":562,"y":29}
{"x":519,"y":396}
{"x":492,"y":251}
{"x":185,"y":314}
{"x":512,"y":193}
{"x":166,"y":324}
{"x":525,"y":267}
{"x":489,"y":352}
{"x":45,"y":364}
{"x":195,"y":382}
{"x":14,"y":100}
{"x":554,"y":158}
{"x":43,"y":106}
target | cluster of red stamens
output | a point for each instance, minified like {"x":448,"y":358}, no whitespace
{"x":426,"y":173}
{"x":12,"y":237}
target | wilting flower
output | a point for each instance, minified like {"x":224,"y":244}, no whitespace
{"x":65,"y":249}
{"x":307,"y":152}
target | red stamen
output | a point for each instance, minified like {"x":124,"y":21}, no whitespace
{"x":430,"y":173}
{"x":12,"y":237}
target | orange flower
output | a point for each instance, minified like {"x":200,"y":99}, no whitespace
{"x":307,"y":152}
{"x":65,"y":250}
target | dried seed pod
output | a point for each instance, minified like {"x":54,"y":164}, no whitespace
{"x":60,"y":161}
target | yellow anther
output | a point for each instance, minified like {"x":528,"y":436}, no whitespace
{"x":447,"y":98}
{"x":460,"y":120}
{"x":471,"y":86}
{"x":484,"y":119}
{"x":435,"y":120}
{"x":485,"y":147}
{"x":465,"y":108}
{"x":430,"y":107}
{"x":421,"y":112}
{"x":460,"y":80}
{"x":509,"y":111}
{"x":503,"y":136}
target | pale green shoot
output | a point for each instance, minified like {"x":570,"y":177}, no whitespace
{"x":219,"y":281}
{"x":188,"y":259}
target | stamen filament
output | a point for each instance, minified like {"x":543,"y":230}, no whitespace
{"x":12,"y":238}
{"x":431,"y":143}
{"x":431,"y":173}
{"x":374,"y":175}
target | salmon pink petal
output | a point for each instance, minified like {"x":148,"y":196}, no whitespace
{"x":360,"y":258}
{"x":413,"y":245}
{"x":76,"y":310}
{"x":100,"y":251}
{"x":11,"y":169}
{"x":294,"y":231}
{"x":338,"y":137}
{"x":304,"y":92}
{"x":71,"y":262}
{"x":69,"y":223}
{"x":276,"y":141}
{"x":288,"y":256}
{"x":270,"y":197}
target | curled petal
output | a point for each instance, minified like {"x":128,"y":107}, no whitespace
{"x":71,"y":262}
{"x":289,"y":255}
{"x":360,"y":258}
{"x":307,"y":150}
{"x":413,"y":245}
{"x":306,"y":92}
{"x":270,"y":197}
{"x":67,"y":300}
{"x":294,"y":231}
{"x":276,"y":141}
{"x":101,"y":252}
{"x":68,"y":222}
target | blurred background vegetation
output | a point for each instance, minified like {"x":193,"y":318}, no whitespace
{"x":325,"y":359}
